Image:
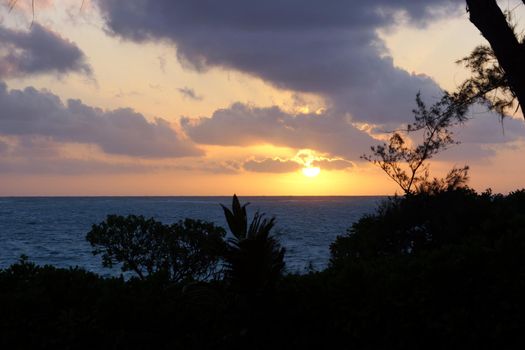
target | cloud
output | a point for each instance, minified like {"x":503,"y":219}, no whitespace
{"x":242,"y":125}
{"x":69,"y":166}
{"x":328,"y":48}
{"x":483,"y":136}
{"x":31,"y":155}
{"x":33,"y":147}
{"x":333,"y":164}
{"x":189,"y":93}
{"x":272,"y":165}
{"x":27,"y":6}
{"x":162,"y":63}
{"x":30,"y":112}
{"x":488,"y":128}
{"x":38,"y":51}
{"x":305,"y":158}
{"x":59,"y":165}
{"x":4,"y":147}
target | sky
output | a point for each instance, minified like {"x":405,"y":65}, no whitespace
{"x":201,"y":97}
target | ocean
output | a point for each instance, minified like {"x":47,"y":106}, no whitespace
{"x":52,"y":230}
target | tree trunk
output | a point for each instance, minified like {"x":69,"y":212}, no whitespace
{"x":492,"y":23}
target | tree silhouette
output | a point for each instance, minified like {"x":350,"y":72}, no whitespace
{"x":499,"y":71}
{"x":185,"y":251}
{"x":254,"y":259}
{"x":408,"y":165}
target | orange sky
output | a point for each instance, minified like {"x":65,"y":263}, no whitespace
{"x":150,"y":79}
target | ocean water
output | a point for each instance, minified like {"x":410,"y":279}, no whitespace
{"x":52,"y":230}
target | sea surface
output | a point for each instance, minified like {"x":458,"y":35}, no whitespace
{"x":52,"y":230}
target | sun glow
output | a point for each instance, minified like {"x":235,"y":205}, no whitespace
{"x":311,"y":171}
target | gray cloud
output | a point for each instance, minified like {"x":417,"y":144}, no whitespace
{"x":68,"y":166}
{"x":36,"y":165}
{"x":244,"y":125}
{"x":482,"y":136}
{"x":333,"y":164}
{"x":30,"y":155}
{"x":328,"y":48}
{"x":38,"y":51}
{"x":331,"y":49}
{"x":272,"y":165}
{"x":208,"y":166}
{"x":488,"y":128}
{"x":278,"y":165}
{"x":32,"y":147}
{"x":162,"y":63}
{"x":189,"y":93}
{"x":30,"y":112}
{"x":4,"y":147}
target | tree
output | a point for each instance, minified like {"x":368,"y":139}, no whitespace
{"x":254,"y":259}
{"x":500,"y":67}
{"x":185,"y":251}
{"x":408,"y":166}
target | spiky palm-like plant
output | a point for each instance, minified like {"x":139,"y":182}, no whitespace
{"x":254,"y":259}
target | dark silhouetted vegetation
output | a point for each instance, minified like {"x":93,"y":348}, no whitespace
{"x":189,"y":250}
{"x":412,"y":225}
{"x":440,"y":270}
{"x":254,"y":259}
{"x":498,"y":72}
{"x":407,"y":165}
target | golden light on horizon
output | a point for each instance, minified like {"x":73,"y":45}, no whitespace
{"x":311,"y":171}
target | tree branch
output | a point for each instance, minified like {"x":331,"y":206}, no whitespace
{"x":487,"y":16}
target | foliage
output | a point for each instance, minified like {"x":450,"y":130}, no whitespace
{"x":497,"y":72}
{"x":488,"y":84}
{"x":428,"y":221}
{"x":408,"y":166}
{"x":184,"y":251}
{"x":427,"y":271}
{"x":254,"y":259}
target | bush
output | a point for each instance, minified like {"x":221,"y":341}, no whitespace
{"x":424,"y":222}
{"x":189,"y":250}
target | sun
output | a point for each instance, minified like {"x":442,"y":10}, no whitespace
{"x":311,"y":171}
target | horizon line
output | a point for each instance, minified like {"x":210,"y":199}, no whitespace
{"x":188,"y":196}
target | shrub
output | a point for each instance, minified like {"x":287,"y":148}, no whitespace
{"x":427,"y":221}
{"x":184,"y":251}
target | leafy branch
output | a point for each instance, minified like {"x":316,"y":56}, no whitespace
{"x":408,"y":166}
{"x":488,"y":83}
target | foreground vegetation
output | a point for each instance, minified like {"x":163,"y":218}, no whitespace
{"x":441,"y":270}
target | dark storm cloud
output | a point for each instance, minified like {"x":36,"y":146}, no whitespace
{"x":38,"y":51}
{"x":330,"y":48}
{"x":245,"y":125}
{"x":30,"y":112}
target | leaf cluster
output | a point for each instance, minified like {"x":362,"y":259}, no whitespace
{"x":408,"y":165}
{"x":254,"y":259}
{"x":426,"y":221}
{"x":488,"y":83}
{"x":184,"y":251}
